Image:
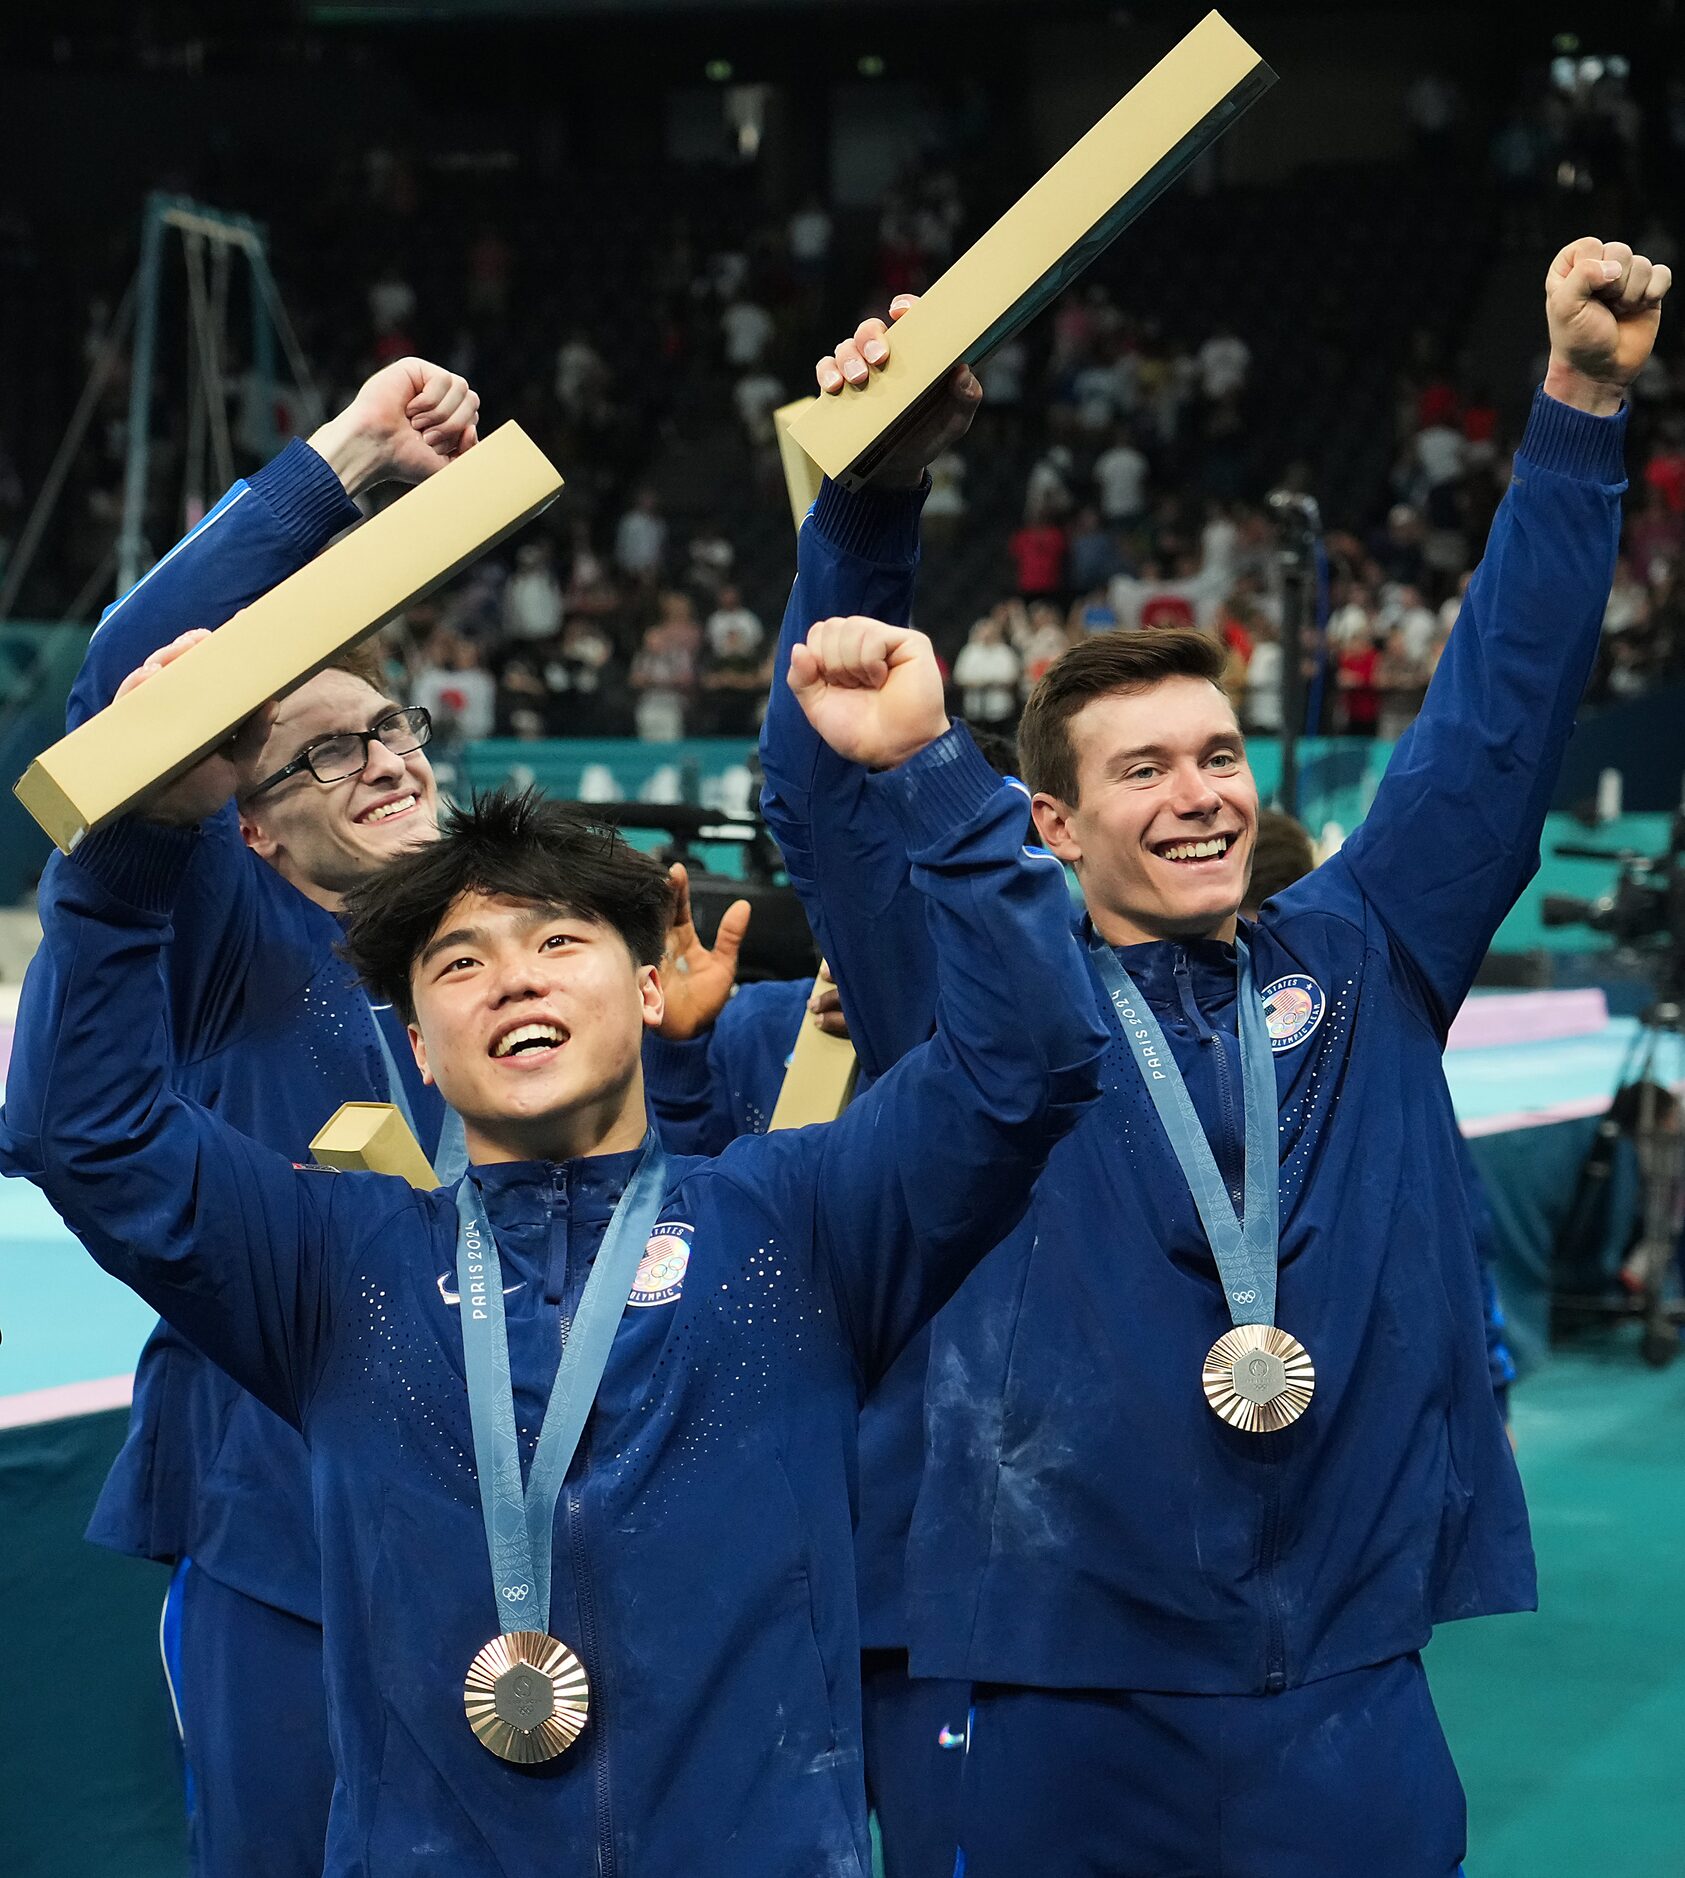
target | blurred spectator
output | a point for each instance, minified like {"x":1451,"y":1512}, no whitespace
{"x":640,"y":542}
{"x":735,"y":673}
{"x":664,"y":672}
{"x":1092,"y":556}
{"x":710,"y":559}
{"x":746,"y":328}
{"x":459,"y":692}
{"x":757,"y":394}
{"x":532,"y":596}
{"x":1224,"y":361}
{"x":944,"y":507}
{"x":391,"y":301}
{"x":1261,"y":705}
{"x":1358,"y":676}
{"x":1038,"y":554}
{"x":1045,"y":640}
{"x":733,"y":624}
{"x":987,"y":672}
{"x":809,"y":235}
{"x":1120,"y":478}
{"x":1048,"y":491}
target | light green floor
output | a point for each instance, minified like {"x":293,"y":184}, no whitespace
{"x":1569,"y":1726}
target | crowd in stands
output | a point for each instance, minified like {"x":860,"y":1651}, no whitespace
{"x":645,"y":604}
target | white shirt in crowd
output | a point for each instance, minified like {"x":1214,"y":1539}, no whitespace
{"x":532,"y":604}
{"x":1120,"y":476}
{"x":1224,"y":361}
{"x":987,"y":676}
{"x":640,"y":542}
{"x":1263,"y":686}
{"x":734,"y":631}
{"x":810,"y":234}
{"x":1441,"y":455}
{"x":748,"y":330}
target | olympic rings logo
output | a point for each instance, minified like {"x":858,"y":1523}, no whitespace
{"x":1244,"y":1297}
{"x":516,"y":1593}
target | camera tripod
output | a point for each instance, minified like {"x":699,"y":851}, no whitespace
{"x":1646,"y":1111}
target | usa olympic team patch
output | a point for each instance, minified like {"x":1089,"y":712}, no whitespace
{"x":1293,"y":1007}
{"x":661,"y":1270}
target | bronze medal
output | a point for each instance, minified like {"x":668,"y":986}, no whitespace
{"x":527,"y":1697}
{"x":1258,"y":1379}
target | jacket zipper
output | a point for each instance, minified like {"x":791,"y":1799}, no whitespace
{"x":1275,"y":1661}
{"x":588,"y":1644}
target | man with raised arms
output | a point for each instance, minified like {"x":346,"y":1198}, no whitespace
{"x":1211,"y":1440}
{"x":270,"y":1029}
{"x":596,"y":1614}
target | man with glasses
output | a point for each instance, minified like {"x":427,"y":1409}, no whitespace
{"x":270,"y":1029}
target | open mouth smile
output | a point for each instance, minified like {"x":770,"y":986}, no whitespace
{"x":390,"y":809}
{"x":528,"y":1043}
{"x":1206,"y":851}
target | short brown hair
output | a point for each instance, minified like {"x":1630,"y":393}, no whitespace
{"x":1281,"y":854}
{"x":364,"y":661}
{"x":1096,"y":668}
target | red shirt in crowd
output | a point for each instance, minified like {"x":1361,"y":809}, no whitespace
{"x":1038,"y":552}
{"x":1359,"y":670}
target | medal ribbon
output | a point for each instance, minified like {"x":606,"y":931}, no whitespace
{"x":1245,"y":1251}
{"x":520,"y":1523}
{"x":450,"y":1159}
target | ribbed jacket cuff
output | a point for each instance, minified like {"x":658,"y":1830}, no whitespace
{"x":139,"y":863}
{"x":945,"y":785}
{"x":682,"y":1067}
{"x":872,"y":524}
{"x":1574,"y":443}
{"x":306,"y":497}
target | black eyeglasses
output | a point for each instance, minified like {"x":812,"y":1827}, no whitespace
{"x":346,"y":753}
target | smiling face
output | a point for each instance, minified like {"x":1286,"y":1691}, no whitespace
{"x":325,"y":837}
{"x":1161,"y":832}
{"x":531,"y":1021}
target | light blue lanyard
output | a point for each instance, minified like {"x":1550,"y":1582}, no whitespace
{"x":450,"y":1158}
{"x":1245,"y":1252}
{"x":520,"y":1524}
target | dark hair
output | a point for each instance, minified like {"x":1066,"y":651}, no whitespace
{"x":1281,"y":854}
{"x":1096,"y":668}
{"x":518,"y":846}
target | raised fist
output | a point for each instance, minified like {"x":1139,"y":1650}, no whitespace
{"x":1603,"y":305}
{"x":408,"y":421}
{"x":873,"y":692}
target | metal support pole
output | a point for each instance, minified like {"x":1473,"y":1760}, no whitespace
{"x":131,"y":541}
{"x":263,"y":354}
{"x":1299,"y":523}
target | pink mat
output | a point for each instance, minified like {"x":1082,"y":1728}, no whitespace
{"x":1499,"y":1017}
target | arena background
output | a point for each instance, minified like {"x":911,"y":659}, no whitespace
{"x":634,"y":226}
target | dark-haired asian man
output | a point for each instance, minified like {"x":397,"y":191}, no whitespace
{"x":689,"y":1539}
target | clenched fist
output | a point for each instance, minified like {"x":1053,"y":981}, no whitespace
{"x":409,"y":420}
{"x":873,"y":692}
{"x":1603,"y":304}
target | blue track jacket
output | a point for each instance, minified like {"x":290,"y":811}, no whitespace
{"x":1084,"y":1520}
{"x":270,"y":1030}
{"x":705,"y":1093}
{"x":703,"y":1555}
